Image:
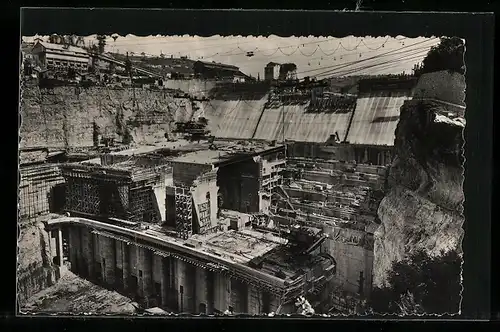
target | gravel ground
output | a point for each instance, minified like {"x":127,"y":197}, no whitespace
{"x":74,"y":295}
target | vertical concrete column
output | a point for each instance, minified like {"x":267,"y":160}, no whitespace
{"x":275,"y":302}
{"x":85,"y":251}
{"x":73,"y":259}
{"x":89,"y":252}
{"x":201,"y":287}
{"x":209,"y":279}
{"x":125,"y":264}
{"x":191,"y":288}
{"x":109,"y":255}
{"x":147,"y":270}
{"x":79,"y":250}
{"x":223,"y":292}
{"x":163,"y":280}
{"x":244,"y":297}
{"x":60,"y":246}
{"x":254,"y":300}
{"x":181,"y":284}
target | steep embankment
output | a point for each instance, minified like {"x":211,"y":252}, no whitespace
{"x":65,"y":116}
{"x":423,"y":209}
{"x":36,"y":270}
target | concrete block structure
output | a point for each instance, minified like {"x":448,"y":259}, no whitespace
{"x":192,"y":245}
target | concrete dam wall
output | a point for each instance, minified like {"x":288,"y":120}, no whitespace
{"x":376,"y":117}
{"x":233,"y":118}
{"x":65,"y":116}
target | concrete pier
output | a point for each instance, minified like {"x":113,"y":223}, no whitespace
{"x":159,"y":280}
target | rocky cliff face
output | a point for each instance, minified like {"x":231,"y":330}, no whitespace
{"x":35,"y":270}
{"x":66,"y":116}
{"x":423,"y":208}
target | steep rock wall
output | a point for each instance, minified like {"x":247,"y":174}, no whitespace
{"x":64,"y":116}
{"x":35,"y":270}
{"x":439,"y":85}
{"x":423,"y":209}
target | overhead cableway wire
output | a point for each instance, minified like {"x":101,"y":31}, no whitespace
{"x":390,"y":65}
{"x":356,"y":70}
{"x":222,"y":45}
{"x":297,"y":48}
{"x":374,"y":61}
{"x":330,"y":54}
{"x":376,"y":48}
{"x":392,"y":52}
{"x":333,"y":71}
{"x":322,"y":57}
{"x":153,"y":42}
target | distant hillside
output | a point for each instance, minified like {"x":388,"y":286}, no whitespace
{"x":345,"y":84}
{"x":163,"y":66}
{"x":350,"y":84}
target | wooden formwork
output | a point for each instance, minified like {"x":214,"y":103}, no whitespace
{"x":36,"y":189}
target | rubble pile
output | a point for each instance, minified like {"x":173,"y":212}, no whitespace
{"x":72,"y":294}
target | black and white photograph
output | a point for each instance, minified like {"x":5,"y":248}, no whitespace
{"x":241,"y":175}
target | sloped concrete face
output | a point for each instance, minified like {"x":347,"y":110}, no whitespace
{"x":300,"y":125}
{"x":237,"y":119}
{"x":376,"y":117}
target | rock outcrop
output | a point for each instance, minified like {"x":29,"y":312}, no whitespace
{"x":67,"y":116}
{"x":424,"y":205}
{"x":35,"y":270}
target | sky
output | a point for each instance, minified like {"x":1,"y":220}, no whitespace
{"x":314,"y":56}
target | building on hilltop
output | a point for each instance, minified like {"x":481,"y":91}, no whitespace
{"x":282,"y":72}
{"x":288,"y":71}
{"x":57,"y":56}
{"x":272,"y":71}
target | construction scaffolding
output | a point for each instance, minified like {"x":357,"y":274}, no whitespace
{"x":112,"y":192}
{"x":36,"y":189}
{"x":183,"y":212}
{"x":143,"y":205}
{"x":82,"y":196}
